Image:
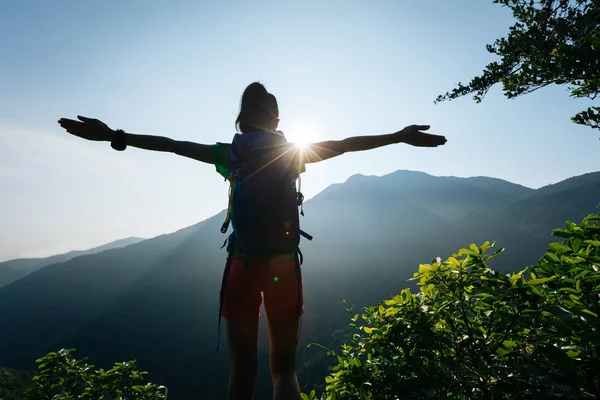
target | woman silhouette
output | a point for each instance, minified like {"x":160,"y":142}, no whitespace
{"x":248,"y":287}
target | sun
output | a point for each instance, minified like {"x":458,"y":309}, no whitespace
{"x":302,"y":134}
{"x":302,"y":143}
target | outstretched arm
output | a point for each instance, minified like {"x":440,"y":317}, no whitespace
{"x":93,"y":129}
{"x":411,"y":135}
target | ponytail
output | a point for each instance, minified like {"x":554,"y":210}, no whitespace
{"x":258,"y":110}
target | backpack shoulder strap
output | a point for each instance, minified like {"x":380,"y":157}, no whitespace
{"x":225,"y":225}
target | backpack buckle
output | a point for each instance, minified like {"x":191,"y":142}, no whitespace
{"x":300,"y":198}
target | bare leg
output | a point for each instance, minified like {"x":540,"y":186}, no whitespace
{"x":283,"y":359}
{"x":242,"y":337}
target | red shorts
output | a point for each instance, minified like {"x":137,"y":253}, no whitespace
{"x":273,"y":279}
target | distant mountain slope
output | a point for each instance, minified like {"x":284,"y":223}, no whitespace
{"x":157,"y":301}
{"x":12,"y":270}
{"x":552,"y":205}
{"x":528,"y":223}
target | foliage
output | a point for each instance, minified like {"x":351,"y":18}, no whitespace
{"x":12,"y":383}
{"x":552,"y":42}
{"x":473,"y":333}
{"x":63,"y":377}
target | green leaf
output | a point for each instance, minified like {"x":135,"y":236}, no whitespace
{"x":582,"y":274}
{"x":424,"y":268}
{"x":585,"y":310}
{"x":560,"y":312}
{"x":573,"y":353}
{"x":575,"y":298}
{"x":496,"y":253}
{"x":590,"y":218}
{"x":567,"y":289}
{"x":539,"y":281}
{"x":562,"y":233}
{"x":559,"y":247}
{"x":502,"y":351}
{"x":405,"y":294}
{"x":454,"y":261}
{"x":485,"y":246}
{"x":466,"y":252}
{"x":514,"y":278}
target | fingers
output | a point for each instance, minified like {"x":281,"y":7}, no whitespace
{"x":93,"y":122}
{"x":65,"y":122}
{"x":436,"y":138}
{"x":420,"y":127}
{"x":85,"y":119}
{"x":438,"y":141}
{"x":71,"y":126}
{"x":430,"y":140}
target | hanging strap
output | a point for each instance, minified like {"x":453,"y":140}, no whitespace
{"x":305,"y":235}
{"x":223,"y":290}
{"x":225,"y":225}
{"x":299,"y":258}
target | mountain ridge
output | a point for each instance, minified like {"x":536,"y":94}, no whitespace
{"x":12,"y":270}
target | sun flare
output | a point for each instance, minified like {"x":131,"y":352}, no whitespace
{"x":302,"y":134}
{"x":302,"y":143}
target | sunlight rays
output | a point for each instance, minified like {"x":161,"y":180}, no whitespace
{"x":303,"y":134}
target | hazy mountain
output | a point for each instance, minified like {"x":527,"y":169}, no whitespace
{"x":157,"y":301}
{"x":12,"y":270}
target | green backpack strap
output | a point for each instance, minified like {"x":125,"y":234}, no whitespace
{"x":225,"y":225}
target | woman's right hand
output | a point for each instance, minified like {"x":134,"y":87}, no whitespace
{"x":413,"y":136}
{"x":87,"y":128}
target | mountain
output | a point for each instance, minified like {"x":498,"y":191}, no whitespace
{"x":525,"y":225}
{"x":12,"y":270}
{"x":157,"y":300}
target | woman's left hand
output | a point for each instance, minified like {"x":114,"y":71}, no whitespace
{"x":87,"y":128}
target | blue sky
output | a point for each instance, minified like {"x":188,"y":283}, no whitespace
{"x":178,"y":68}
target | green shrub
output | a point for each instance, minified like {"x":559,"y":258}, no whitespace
{"x":474,"y":333}
{"x":63,"y":377}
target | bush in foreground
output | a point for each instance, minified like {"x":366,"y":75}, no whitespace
{"x":474,"y":333}
{"x":63,"y":377}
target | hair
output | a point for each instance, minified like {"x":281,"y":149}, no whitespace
{"x":258,"y":109}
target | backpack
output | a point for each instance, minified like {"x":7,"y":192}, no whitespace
{"x":263,"y":202}
{"x":263,"y":205}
